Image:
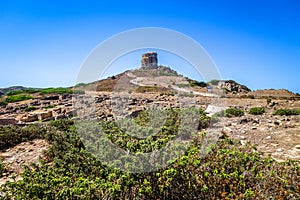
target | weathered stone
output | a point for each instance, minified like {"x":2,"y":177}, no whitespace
{"x":52,"y":97}
{"x":243,"y":121}
{"x":44,"y":115}
{"x":29,"y":118}
{"x":7,"y":121}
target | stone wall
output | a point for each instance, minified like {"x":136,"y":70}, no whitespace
{"x":149,"y":60}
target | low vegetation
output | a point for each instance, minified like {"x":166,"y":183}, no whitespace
{"x":287,"y":112}
{"x":30,"y":108}
{"x":17,"y":98}
{"x":182,"y":85}
{"x":221,"y":170}
{"x":3,"y":103}
{"x":230,"y":112}
{"x":60,"y":90}
{"x":27,"y":91}
{"x":1,"y":167}
{"x":143,"y":89}
{"x":199,"y":84}
{"x":257,"y":111}
{"x":49,"y":106}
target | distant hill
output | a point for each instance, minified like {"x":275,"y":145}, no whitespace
{"x":12,"y":88}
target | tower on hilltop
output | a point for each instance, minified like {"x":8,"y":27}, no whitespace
{"x":149,"y":60}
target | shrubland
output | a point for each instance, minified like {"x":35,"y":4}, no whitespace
{"x":221,"y":170}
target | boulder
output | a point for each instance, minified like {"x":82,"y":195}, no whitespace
{"x":213,"y":109}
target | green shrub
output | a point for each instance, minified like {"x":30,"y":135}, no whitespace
{"x":286,"y":112}
{"x":220,"y":170}
{"x":182,"y":85}
{"x":1,"y":167}
{"x":16,"y":98}
{"x":49,"y":106}
{"x":60,"y":90}
{"x":30,"y":108}
{"x":214,"y":82}
{"x":228,"y":171}
{"x":196,"y":83}
{"x":3,"y":103}
{"x":143,"y":89}
{"x":16,"y":92}
{"x":257,"y":111}
{"x":229,"y":112}
{"x":12,"y":135}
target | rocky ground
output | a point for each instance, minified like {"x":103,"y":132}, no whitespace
{"x":275,"y":135}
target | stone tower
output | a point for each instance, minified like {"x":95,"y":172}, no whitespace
{"x":149,"y":60}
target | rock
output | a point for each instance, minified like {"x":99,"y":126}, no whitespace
{"x":29,"y":118}
{"x":7,"y":121}
{"x":279,"y":150}
{"x":229,"y":124}
{"x":243,"y":137}
{"x":277,"y":122}
{"x":135,"y":113}
{"x":213,"y":109}
{"x":254,"y":128}
{"x":297,"y":146}
{"x":268,"y":138}
{"x":243,"y":121}
{"x":52,"y":97}
{"x":256,"y":121}
{"x":44,"y":115}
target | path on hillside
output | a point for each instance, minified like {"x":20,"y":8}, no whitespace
{"x":139,"y":82}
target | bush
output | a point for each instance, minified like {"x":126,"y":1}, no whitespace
{"x":286,"y":112}
{"x":3,"y":103}
{"x":144,"y":89}
{"x":182,"y":85}
{"x":49,"y":106}
{"x":257,"y":111}
{"x":229,"y":112}
{"x":60,"y":90}
{"x":226,"y":171}
{"x":196,"y":83}
{"x":214,"y":82}
{"x":16,"y":98}
{"x":1,"y":167}
{"x":16,"y":92}
{"x":12,"y":135}
{"x":30,"y":108}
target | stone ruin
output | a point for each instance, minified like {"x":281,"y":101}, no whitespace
{"x":149,"y":60}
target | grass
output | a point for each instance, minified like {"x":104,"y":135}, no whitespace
{"x":257,"y":111}
{"x":17,"y":98}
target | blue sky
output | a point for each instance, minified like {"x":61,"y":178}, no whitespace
{"x":255,"y":42}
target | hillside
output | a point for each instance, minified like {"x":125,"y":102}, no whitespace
{"x":180,"y":139}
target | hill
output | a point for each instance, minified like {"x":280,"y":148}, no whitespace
{"x":180,"y":139}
